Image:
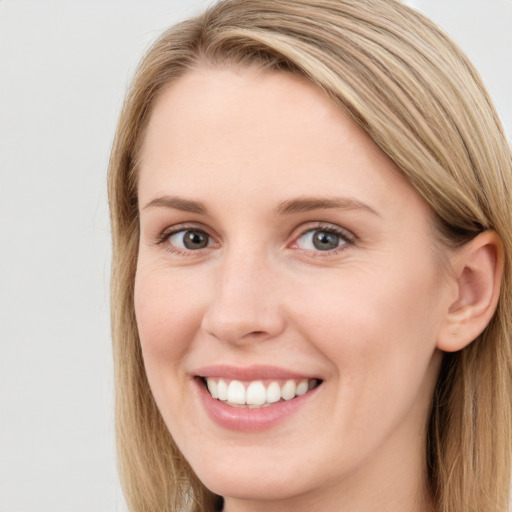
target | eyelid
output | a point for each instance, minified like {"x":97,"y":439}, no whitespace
{"x":163,"y":236}
{"x":343,"y":233}
{"x":350,"y":238}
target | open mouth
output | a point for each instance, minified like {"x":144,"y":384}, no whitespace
{"x":258,"y":393}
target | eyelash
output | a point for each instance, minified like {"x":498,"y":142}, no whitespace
{"x":347,"y":239}
{"x":164,"y":237}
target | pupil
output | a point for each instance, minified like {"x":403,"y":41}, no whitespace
{"x":325,"y":241}
{"x":195,"y":240}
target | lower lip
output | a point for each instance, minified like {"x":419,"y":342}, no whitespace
{"x":251,"y":420}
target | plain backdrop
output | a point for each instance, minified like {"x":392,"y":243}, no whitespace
{"x":64,"y":69}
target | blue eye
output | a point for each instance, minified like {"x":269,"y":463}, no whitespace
{"x":321,"y":240}
{"x":189,"y":239}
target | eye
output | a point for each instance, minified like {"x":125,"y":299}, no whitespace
{"x":322,"y":239}
{"x":189,"y":239}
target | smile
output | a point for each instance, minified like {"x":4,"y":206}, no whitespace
{"x":257,"y":393}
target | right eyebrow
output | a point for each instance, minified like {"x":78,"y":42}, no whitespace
{"x":177,"y":203}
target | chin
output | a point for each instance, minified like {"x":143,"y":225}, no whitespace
{"x":246,"y":476}
{"x":253,"y":485}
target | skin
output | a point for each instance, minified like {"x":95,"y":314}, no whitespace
{"x":365,"y":317}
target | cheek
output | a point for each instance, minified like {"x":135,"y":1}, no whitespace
{"x":368,"y":308}
{"x":380,"y":338}
{"x":168,"y":316}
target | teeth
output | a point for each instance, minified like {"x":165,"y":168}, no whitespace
{"x":288,"y":390}
{"x":302,"y":387}
{"x":273,"y":393}
{"x":254,"y":394}
{"x":222,"y":390}
{"x":236,"y":392}
{"x":213,"y":388}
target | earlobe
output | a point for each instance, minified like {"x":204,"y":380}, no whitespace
{"x":478,"y":267}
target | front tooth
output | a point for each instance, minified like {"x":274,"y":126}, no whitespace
{"x":273,"y":393}
{"x":236,"y":392}
{"x":302,"y":387}
{"x":212,"y":387}
{"x":222,"y":390}
{"x":288,"y":390}
{"x":256,"y":393}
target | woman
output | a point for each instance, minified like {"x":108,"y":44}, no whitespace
{"x":311,"y":279}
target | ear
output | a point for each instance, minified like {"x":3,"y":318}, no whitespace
{"x":477,"y":267}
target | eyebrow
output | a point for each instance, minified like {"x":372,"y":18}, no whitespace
{"x":177,"y":203}
{"x":307,"y":204}
{"x":299,"y":205}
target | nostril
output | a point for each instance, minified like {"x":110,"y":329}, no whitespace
{"x":242,"y":322}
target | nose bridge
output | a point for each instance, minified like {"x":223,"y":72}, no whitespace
{"x":246,"y":304}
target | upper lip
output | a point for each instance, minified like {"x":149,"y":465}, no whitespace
{"x":250,"y":373}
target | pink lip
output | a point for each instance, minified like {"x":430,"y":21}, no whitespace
{"x":243,"y":419}
{"x":250,"y":373}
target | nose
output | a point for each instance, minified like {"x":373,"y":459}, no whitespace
{"x":246,"y":305}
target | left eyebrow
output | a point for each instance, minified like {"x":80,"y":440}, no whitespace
{"x":306,"y":204}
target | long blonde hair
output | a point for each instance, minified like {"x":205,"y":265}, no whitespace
{"x":420,"y":99}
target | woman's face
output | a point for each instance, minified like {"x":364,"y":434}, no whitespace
{"x":282,"y":254}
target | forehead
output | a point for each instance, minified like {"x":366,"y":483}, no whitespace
{"x":266,"y":133}
{"x":213,"y":105}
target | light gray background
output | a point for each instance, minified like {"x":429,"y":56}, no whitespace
{"x":64,"y":67}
